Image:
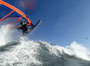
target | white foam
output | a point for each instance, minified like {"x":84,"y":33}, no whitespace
{"x":26,"y":52}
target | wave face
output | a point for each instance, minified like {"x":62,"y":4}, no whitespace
{"x":26,"y":52}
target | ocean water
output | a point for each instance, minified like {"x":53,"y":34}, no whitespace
{"x":21,"y":51}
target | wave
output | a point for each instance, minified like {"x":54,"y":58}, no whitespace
{"x":26,"y":52}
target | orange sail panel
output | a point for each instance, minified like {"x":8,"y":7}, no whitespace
{"x":14,"y":9}
{"x":6,"y":15}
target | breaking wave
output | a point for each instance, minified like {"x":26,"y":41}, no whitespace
{"x":26,"y":52}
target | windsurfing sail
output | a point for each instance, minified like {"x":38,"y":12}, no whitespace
{"x":8,"y":11}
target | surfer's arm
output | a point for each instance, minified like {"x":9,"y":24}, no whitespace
{"x":18,"y":27}
{"x":26,"y":22}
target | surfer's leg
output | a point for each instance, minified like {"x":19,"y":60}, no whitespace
{"x":26,"y":32}
{"x":23,"y":33}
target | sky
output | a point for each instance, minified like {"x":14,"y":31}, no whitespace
{"x":63,"y":21}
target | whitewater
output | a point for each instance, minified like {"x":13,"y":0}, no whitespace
{"x":21,"y":51}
